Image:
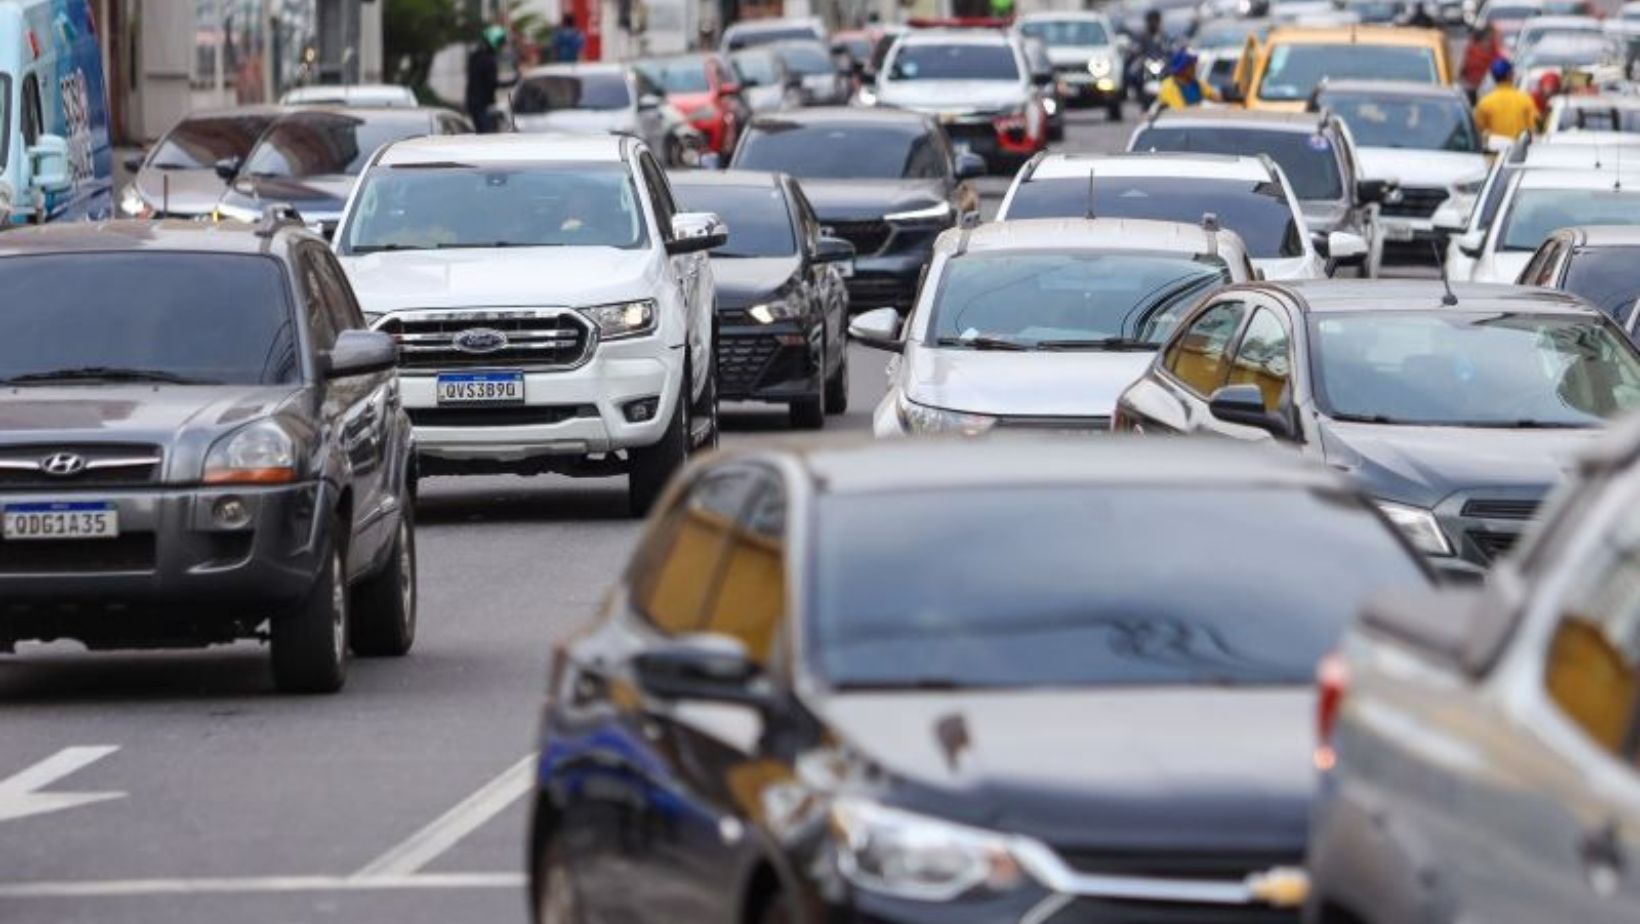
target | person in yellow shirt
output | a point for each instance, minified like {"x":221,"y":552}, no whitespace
{"x":1181,"y":89}
{"x":1507,"y":110}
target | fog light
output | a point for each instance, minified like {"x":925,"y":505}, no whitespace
{"x":231,"y":512}
{"x":1106,"y":84}
{"x":641,"y":410}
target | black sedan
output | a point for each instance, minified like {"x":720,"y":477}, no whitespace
{"x":782,"y":306}
{"x":1456,"y":411}
{"x":929,"y":681}
{"x":886,"y":181}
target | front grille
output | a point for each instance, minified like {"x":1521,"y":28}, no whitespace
{"x":742,"y":362}
{"x":1072,"y":426}
{"x":105,"y":465}
{"x":534,"y":340}
{"x":868,"y":237}
{"x":1415,"y":202}
{"x":1501,"y":509}
{"x":132,"y":552}
{"x":1491,"y":545}
{"x":514,"y":416}
{"x":1227,"y":865}
{"x":879,"y":292}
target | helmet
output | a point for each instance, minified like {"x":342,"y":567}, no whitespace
{"x":1502,"y":69}
{"x":1182,"y":59}
{"x":494,"y":35}
{"x":1153,"y":15}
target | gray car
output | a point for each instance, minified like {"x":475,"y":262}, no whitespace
{"x":1457,"y":411}
{"x":178,"y":176}
{"x":187,"y":465}
{"x":1595,"y":262}
{"x":1482,"y":747}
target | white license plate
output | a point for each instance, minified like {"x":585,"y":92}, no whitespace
{"x":480,"y":388}
{"x":61,"y":520}
{"x":1398,"y":232}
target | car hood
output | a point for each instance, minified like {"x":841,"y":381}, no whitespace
{"x":1501,"y":266}
{"x":515,"y":277}
{"x":181,"y":192}
{"x":1155,"y":767}
{"x":744,"y":281}
{"x":951,"y":96}
{"x":576,"y":120}
{"x":1034,"y":384}
{"x":315,"y":197}
{"x":1422,"y":466}
{"x":866,"y":200}
{"x":1420,"y":168}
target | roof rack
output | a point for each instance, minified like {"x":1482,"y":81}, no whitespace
{"x":1210,"y":224}
{"x":277,"y":215}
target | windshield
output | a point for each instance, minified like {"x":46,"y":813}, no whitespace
{"x":837,"y":152}
{"x":1081,"y":586}
{"x":1259,"y":212}
{"x":746,"y":38}
{"x":1600,"y":118}
{"x":1575,"y":49}
{"x":325,"y":144}
{"x":1530,"y":35}
{"x":1381,"y":120}
{"x":551,"y":93}
{"x":1535,"y":213}
{"x":1066,"y":298}
{"x":431,"y":207}
{"x":760,"y":225}
{"x":197,"y":144}
{"x":1504,"y":13}
{"x":1309,"y":160}
{"x":1066,"y":33}
{"x":1229,"y":34}
{"x":756,"y":68}
{"x":1294,"y":70}
{"x":1378,"y":11}
{"x":962,"y":61}
{"x":230,"y":324}
{"x":1605,"y":277}
{"x":1461,"y":369}
{"x":807,"y":58}
{"x":677,"y":75}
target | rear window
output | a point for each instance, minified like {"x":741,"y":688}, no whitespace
{"x":1066,"y":33}
{"x":231,"y":322}
{"x":326,"y":144}
{"x":1259,"y":212}
{"x":197,"y":144}
{"x":760,"y":224}
{"x":1605,"y":277}
{"x":1422,"y":123}
{"x":806,"y":58}
{"x":677,"y":75}
{"x":538,"y":95}
{"x":962,"y":61}
{"x":1309,"y":160}
{"x":747,"y":38}
{"x":1295,"y":69}
{"x":840,"y":152}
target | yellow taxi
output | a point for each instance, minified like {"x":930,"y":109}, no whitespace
{"x":1282,"y":71}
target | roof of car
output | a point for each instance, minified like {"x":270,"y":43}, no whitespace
{"x":1184,"y":166}
{"x":1273,"y":120}
{"x":1056,"y":15}
{"x":380,"y":115}
{"x":845,"y":115}
{"x":128,"y":235}
{"x":1603,"y":235}
{"x":1606,"y":178}
{"x":1389,"y":295}
{"x":1354,"y":34}
{"x":1127,"y":234}
{"x":564,"y":70}
{"x":730,"y":178}
{"x":942,"y":36}
{"x":505,"y":148}
{"x":1388,"y":88}
{"x":769,"y":25}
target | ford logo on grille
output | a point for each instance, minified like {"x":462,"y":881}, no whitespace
{"x":479,"y":340}
{"x":62,"y":464}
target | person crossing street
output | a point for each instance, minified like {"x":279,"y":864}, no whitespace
{"x":1182,"y":89}
{"x":1507,"y":110}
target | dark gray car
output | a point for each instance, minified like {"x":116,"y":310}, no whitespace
{"x":178,"y":176}
{"x":1457,"y":414}
{"x":215,"y":453}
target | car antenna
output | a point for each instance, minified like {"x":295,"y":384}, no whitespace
{"x":165,"y":195}
{"x":1450,"y":298}
{"x":1090,"y":193}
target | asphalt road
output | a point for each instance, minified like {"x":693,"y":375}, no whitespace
{"x":173,"y":788}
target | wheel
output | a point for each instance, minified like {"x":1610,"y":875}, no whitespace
{"x":1114,"y":110}
{"x":773,"y":910}
{"x":384,"y":606}
{"x":810,"y":413}
{"x":707,"y":408}
{"x":310,"y":641}
{"x":650,"y":467}
{"x":673,"y":154}
{"x":1056,"y":131}
{"x":837,"y":387}
{"x":556,"y":901}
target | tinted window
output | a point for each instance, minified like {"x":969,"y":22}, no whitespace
{"x":1263,"y":358}
{"x":1294,"y":70}
{"x":1259,"y":212}
{"x":845,"y":152}
{"x":1600,"y":118}
{"x":756,"y":68}
{"x":954,"y":62}
{"x":550,"y":93}
{"x":760,"y":224}
{"x":807,"y":58}
{"x":1309,"y":160}
{"x":325,"y":144}
{"x":748,"y":601}
{"x":677,"y":75}
{"x":5,"y":119}
{"x":33,"y":116}
{"x":230,"y":322}
{"x":1083,"y":585}
{"x":1606,"y":277}
{"x":746,"y":39}
{"x":678,"y":563}
{"x":316,"y":300}
{"x":197,"y":144}
{"x":1505,"y":13}
{"x":1067,"y":299}
{"x":568,"y":205}
{"x":1380,"y":120}
{"x":1059,"y":33}
{"x":1484,"y":370}
{"x":1197,"y":357}
{"x":1536,"y":213}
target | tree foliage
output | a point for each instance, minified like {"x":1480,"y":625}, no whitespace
{"x":414,"y":31}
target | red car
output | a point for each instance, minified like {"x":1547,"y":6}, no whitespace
{"x":703,"y":88}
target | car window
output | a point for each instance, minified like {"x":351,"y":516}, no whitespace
{"x":1295,"y":69}
{"x":660,"y":193}
{"x":326,"y":144}
{"x":760,"y":223}
{"x":33,"y":116}
{"x":1423,"y":123}
{"x":956,"y":61}
{"x":345,"y":311}
{"x":679,"y":561}
{"x":806,"y":58}
{"x":678,"y":75}
{"x":1066,"y":33}
{"x":748,"y":601}
{"x":1256,"y":210}
{"x":1264,"y":358}
{"x":1606,"y":277}
{"x":551,"y":92}
{"x":197,"y":144}
{"x":835,"y":152}
{"x":1536,"y":213}
{"x":1533,"y":274}
{"x":316,"y":297}
{"x":1197,"y":357}
{"x":1309,"y":159}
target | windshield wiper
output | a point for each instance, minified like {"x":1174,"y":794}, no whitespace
{"x":982,"y":343}
{"x":104,"y":374}
{"x":1523,"y":424}
{"x":378,"y":248}
{"x":909,"y":683}
{"x":1367,"y":418}
{"x":1119,"y":344}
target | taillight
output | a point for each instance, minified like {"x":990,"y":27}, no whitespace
{"x":1332,"y":681}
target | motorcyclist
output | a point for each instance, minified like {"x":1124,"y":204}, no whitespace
{"x":1150,"y":45}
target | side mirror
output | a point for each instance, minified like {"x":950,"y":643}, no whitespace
{"x":970,"y":166}
{"x":1346,"y":247}
{"x":133,"y":162}
{"x":1042,"y":78}
{"x":1498,"y":144}
{"x":227,"y":168}
{"x":1465,"y":627}
{"x":705,"y":666}
{"x":327,"y":229}
{"x":360,"y":352}
{"x":794,"y":81}
{"x":648,"y":102}
{"x":833,"y":250}
{"x":48,"y":164}
{"x":1472,"y":244}
{"x":878,"y":329}
{"x":1367,"y":191}
{"x":693,"y":232}
{"x":1244,"y":405}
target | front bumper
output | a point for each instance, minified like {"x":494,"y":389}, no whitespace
{"x":1080,"y":88}
{"x":777,"y":362}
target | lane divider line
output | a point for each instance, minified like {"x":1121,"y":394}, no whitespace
{"x":122,"y":888}
{"x":423,"y":847}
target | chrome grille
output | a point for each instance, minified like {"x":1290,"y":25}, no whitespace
{"x":1491,"y":545}
{"x":1501,"y":509}
{"x":102,"y":465}
{"x":1415,"y":202}
{"x":529,"y":338}
{"x":1071,"y":426}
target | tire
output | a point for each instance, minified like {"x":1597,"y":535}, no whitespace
{"x":837,"y":387}
{"x":310,"y":641}
{"x":555,"y":899}
{"x":649,"y":468}
{"x":773,"y":910}
{"x":707,"y":408}
{"x":1056,"y":131}
{"x":384,"y":606}
{"x":810,"y":413}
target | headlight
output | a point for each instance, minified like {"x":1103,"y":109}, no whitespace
{"x":913,"y":856}
{"x":868,"y":97}
{"x":937,"y":212}
{"x":921,"y":419}
{"x":781,"y":309}
{"x":1050,"y":105}
{"x":1099,"y":67}
{"x":132,"y":204}
{"x":260,"y":453}
{"x":626,"y":319}
{"x":704,"y":113}
{"x":228,"y":212}
{"x":1419,"y":526}
{"x":1153,"y":67}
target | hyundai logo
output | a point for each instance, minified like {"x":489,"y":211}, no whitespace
{"x":62,"y":464}
{"x":479,"y":340}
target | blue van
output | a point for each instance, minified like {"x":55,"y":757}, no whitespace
{"x":56,"y":159}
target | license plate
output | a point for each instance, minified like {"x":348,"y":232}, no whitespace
{"x":66,"y":520}
{"x":1398,"y":232}
{"x":480,"y":388}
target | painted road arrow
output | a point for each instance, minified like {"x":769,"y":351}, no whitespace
{"x":20,"y":796}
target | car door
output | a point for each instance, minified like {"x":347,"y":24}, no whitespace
{"x":691,"y":270}
{"x":823,"y":282}
{"x":1262,"y":357}
{"x":1172,"y":397}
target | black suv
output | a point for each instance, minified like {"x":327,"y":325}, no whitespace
{"x":200,"y":442}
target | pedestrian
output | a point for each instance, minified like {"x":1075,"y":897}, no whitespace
{"x":1548,"y":87}
{"x":484,"y":79}
{"x":1420,"y":17}
{"x":1182,"y":89}
{"x":1507,"y":110}
{"x":1002,"y":9}
{"x":567,"y":40}
{"x":1479,"y":53}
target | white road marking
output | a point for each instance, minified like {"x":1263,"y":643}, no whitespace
{"x":116,"y":888}
{"x":468,"y":815}
{"x":19,"y":797}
